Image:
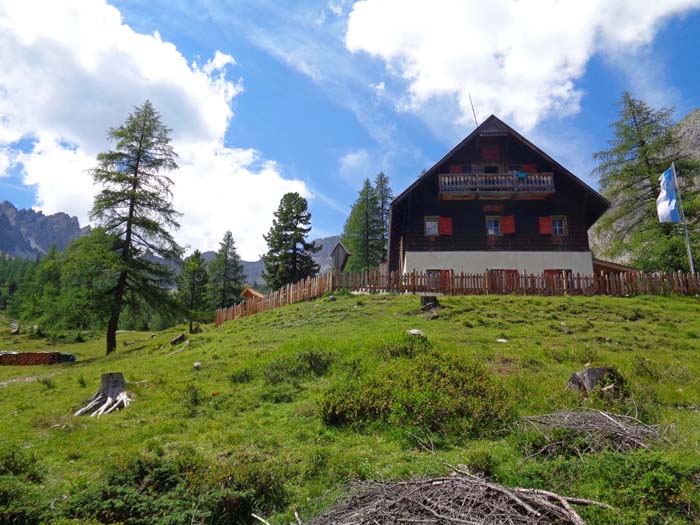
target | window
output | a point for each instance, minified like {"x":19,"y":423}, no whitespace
{"x":432,"y":226}
{"x":493,"y":226}
{"x":491,"y":169}
{"x":559,"y":225}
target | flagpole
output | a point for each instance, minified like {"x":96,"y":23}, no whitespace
{"x":682,"y":214}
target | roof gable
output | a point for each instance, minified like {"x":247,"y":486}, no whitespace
{"x":494,"y":127}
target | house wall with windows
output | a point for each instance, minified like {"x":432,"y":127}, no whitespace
{"x":481,"y":261}
{"x":494,"y":202}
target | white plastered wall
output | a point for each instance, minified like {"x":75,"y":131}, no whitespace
{"x":479,"y":262}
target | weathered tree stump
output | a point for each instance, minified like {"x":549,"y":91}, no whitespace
{"x":111,"y":396}
{"x":604,"y":377}
{"x":179,"y":339}
{"x":428,"y":302}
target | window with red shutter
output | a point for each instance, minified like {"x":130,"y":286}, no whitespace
{"x":545,"y":225}
{"x":445,"y":226}
{"x":455,"y":169}
{"x":508,"y":224}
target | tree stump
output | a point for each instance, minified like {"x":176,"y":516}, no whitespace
{"x":428,"y":302}
{"x":111,"y":396}
{"x":604,"y":378}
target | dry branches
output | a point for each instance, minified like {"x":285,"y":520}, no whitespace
{"x":461,"y":498}
{"x":599,"y":430}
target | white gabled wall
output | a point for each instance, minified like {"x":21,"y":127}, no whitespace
{"x":479,"y":262}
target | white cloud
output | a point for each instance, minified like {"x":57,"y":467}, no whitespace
{"x":519,"y":60}
{"x":356,"y":166}
{"x":6,"y":161}
{"x":72,"y":69}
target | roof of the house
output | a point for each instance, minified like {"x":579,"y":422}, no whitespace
{"x":495,"y":126}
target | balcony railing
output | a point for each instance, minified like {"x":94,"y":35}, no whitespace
{"x":491,"y":183}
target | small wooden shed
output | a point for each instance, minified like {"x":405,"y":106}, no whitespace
{"x":251,"y":293}
{"x":340,"y":256}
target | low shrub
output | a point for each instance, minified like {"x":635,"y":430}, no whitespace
{"x":179,"y":490}
{"x":651,"y":487}
{"x":21,"y":503}
{"x":15,"y":461}
{"x":433,"y":391}
{"x":21,"y":498}
{"x":242,"y":375}
{"x":193,"y":399}
{"x":293,"y":369}
{"x":406,"y":345}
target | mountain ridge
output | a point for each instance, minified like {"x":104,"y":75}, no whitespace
{"x":28,"y":234}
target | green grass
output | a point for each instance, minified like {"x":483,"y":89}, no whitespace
{"x":258,"y":395}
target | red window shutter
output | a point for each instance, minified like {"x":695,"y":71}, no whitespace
{"x":546,"y":225}
{"x":455,"y":169}
{"x":490,"y":152}
{"x":528,"y":168}
{"x":445,"y":226}
{"x":508,"y":224}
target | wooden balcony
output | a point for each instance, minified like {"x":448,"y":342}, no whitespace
{"x":496,"y":186}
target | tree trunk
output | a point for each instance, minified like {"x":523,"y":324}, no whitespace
{"x":116,"y":311}
{"x":111,"y":396}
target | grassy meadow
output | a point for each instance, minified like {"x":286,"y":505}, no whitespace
{"x":291,"y":404}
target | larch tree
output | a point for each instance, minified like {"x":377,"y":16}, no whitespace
{"x":363,"y":231}
{"x":382,"y":188}
{"x":226,"y":275}
{"x":192,"y":286}
{"x":135,"y":205}
{"x":289,"y":257}
{"x":644,"y":144}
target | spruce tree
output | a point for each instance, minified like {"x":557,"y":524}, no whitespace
{"x":289,"y":257}
{"x":644,"y":145}
{"x":384,"y":198}
{"x":226,"y":275}
{"x":363,"y":231}
{"x":135,"y":205}
{"x":192,"y":286}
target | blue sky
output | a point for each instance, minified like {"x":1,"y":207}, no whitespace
{"x":315,"y":96}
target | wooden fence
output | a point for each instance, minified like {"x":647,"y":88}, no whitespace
{"x":565,"y":283}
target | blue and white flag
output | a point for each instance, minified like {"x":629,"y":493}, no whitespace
{"x":667,"y":203}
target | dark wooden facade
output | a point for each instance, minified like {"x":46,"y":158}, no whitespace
{"x":450,"y":190}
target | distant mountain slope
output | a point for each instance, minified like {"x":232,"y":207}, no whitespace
{"x":253,"y":269}
{"x":28,"y":234}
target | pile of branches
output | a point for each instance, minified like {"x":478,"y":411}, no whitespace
{"x":461,"y":498}
{"x":597,"y":429}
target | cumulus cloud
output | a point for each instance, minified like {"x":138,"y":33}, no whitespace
{"x":518,"y":59}
{"x":76,"y":69}
{"x":356,"y":166}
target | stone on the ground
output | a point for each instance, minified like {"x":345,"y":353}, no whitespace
{"x":179,"y":339}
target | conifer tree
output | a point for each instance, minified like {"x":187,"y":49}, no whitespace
{"x":192,"y":286}
{"x":644,"y":145}
{"x":289,"y":257}
{"x":384,"y":198}
{"x":135,"y":205}
{"x":363,"y":231}
{"x":226,"y":275}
